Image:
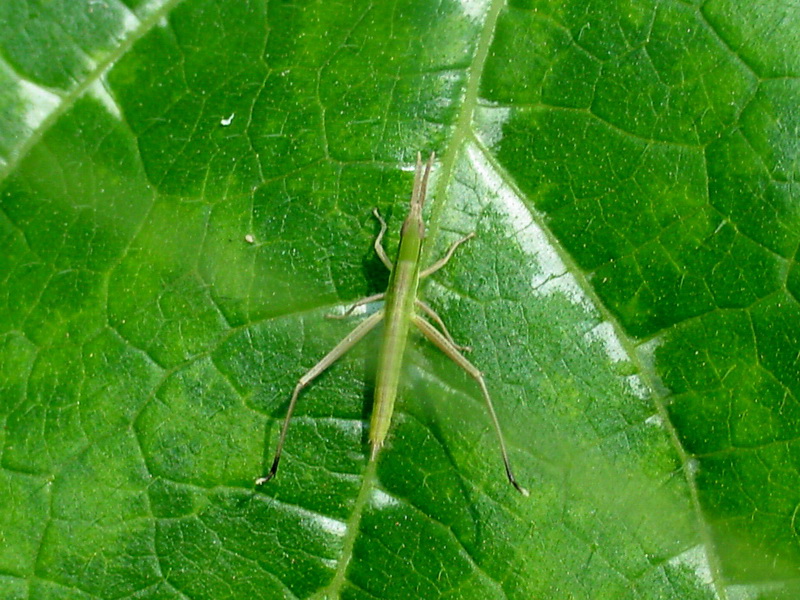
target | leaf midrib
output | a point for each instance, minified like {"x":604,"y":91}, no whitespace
{"x":461,"y":134}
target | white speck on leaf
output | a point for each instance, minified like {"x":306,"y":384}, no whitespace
{"x":227,"y":121}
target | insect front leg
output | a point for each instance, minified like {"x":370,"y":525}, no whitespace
{"x":446,"y":258}
{"x":379,"y":241}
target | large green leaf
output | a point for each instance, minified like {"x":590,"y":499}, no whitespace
{"x":186,"y":190}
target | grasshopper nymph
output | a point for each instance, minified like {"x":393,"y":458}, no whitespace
{"x":401,"y":309}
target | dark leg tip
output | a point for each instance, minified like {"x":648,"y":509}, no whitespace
{"x":513,"y":480}
{"x":271,"y":474}
{"x":520,"y":489}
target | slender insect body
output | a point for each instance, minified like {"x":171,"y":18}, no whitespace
{"x":399,"y":313}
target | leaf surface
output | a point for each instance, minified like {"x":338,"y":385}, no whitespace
{"x":186,"y":192}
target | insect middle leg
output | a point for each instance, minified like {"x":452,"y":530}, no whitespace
{"x":438,"y":320}
{"x":363,"y":301}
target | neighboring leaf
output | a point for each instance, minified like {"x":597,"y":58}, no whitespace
{"x":186,"y":192}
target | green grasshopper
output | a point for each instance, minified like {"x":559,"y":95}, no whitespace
{"x":400,"y":311}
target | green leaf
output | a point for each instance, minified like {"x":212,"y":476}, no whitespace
{"x":186,"y":192}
